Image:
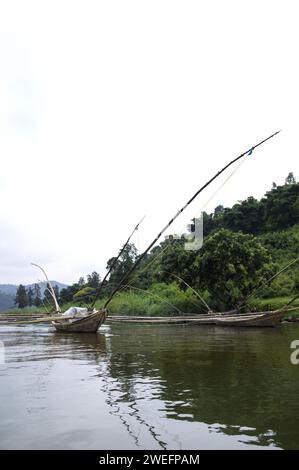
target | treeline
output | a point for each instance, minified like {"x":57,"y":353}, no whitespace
{"x":82,"y":290}
{"x":32,"y":296}
{"x":276,"y":211}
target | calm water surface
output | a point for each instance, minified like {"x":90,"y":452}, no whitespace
{"x":149,"y":387}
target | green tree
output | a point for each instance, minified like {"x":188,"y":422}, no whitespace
{"x":37,"y":300}
{"x":123,"y":264}
{"x":290,"y":179}
{"x":93,"y":280}
{"x":67,"y":294}
{"x":30,"y":296}
{"x":21,"y":299}
{"x":85,"y":295}
{"x":174,"y":259}
{"x":281,"y":207}
{"x":56,"y":291}
{"x":218,"y":210}
{"x":244,"y":216}
{"x":48,"y":299}
{"x":231,"y":265}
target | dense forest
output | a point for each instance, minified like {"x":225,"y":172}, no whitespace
{"x":244,"y":246}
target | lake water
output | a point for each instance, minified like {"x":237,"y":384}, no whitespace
{"x":149,"y":387}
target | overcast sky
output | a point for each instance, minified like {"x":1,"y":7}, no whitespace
{"x":110,"y":110}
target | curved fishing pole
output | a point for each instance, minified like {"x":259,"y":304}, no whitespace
{"x":50,"y":286}
{"x":99,"y":289}
{"x":249,"y":152}
{"x":49,"y":290}
{"x":193,"y":290}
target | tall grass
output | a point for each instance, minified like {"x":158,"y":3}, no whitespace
{"x":160,"y":299}
{"x":26,"y":310}
{"x":274,"y":303}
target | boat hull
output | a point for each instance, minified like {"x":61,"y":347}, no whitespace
{"x":253,"y":319}
{"x":89,"y":324}
{"x":262,"y":320}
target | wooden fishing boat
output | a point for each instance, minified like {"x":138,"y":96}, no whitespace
{"x":252,"y":319}
{"x":260,"y":319}
{"x":75,"y":319}
{"x":88,"y":324}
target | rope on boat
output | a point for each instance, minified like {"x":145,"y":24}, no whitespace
{"x":133,"y":268}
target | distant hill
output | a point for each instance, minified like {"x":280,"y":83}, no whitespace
{"x":8,"y":293}
{"x":6,"y":302}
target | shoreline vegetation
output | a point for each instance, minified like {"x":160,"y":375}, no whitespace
{"x":139,"y":304}
{"x":244,"y":246}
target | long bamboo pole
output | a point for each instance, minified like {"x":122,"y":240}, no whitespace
{"x":44,"y":320}
{"x":99,"y":289}
{"x":141,"y":257}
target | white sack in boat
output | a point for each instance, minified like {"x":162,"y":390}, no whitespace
{"x":75,"y":312}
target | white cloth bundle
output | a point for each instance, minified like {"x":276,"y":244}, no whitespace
{"x":75,"y":312}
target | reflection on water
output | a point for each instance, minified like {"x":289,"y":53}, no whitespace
{"x":149,"y":386}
